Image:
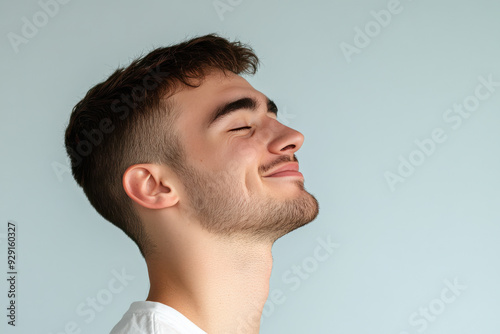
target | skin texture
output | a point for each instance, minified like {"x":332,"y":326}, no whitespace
{"x":214,"y":224}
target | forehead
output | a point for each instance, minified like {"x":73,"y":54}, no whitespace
{"x":195,"y":104}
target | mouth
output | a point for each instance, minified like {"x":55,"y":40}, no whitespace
{"x":287,"y":173}
{"x":290,"y":169}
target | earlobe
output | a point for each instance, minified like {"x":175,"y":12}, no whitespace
{"x":145,"y":184}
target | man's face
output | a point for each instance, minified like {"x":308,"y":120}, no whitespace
{"x":230,"y":178}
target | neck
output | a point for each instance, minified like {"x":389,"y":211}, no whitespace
{"x":220,"y":285}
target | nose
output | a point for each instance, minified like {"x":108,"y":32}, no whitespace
{"x":284,"y":140}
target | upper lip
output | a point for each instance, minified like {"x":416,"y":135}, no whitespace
{"x":290,"y":166}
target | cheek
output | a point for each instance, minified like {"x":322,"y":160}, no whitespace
{"x":246,"y":154}
{"x":242,"y":161}
{"x":247,"y":161}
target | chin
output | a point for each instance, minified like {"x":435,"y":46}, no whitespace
{"x":301,"y":211}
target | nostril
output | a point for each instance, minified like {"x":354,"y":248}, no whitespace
{"x":288,"y":147}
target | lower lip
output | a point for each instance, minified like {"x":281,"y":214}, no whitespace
{"x":287,"y":173}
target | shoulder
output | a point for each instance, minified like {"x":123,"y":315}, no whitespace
{"x":147,"y":317}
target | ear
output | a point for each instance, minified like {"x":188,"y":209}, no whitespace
{"x":147,"y":185}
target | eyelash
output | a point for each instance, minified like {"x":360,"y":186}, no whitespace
{"x":242,"y":128}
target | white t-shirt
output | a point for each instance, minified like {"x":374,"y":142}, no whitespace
{"x":147,"y":317}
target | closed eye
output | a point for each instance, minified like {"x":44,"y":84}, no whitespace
{"x":242,"y":128}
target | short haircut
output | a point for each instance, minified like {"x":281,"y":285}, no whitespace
{"x":128,"y":119}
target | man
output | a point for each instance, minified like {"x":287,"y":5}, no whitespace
{"x":188,"y":159}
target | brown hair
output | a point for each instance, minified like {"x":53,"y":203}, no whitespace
{"x":128,"y":119}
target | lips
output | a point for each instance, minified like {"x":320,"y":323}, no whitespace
{"x":288,"y":169}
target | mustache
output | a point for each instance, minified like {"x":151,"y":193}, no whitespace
{"x":280,"y":160}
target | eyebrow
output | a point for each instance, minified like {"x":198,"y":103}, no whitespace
{"x":243,"y":103}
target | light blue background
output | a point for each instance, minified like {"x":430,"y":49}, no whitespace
{"x":396,"y":247}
